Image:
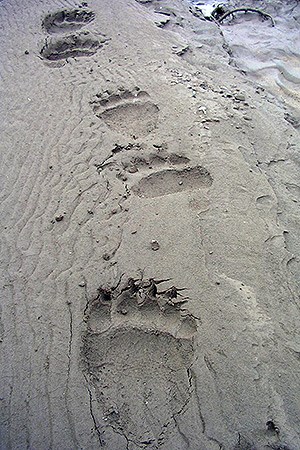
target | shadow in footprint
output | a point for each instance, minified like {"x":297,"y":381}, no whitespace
{"x":67,"y":20}
{"x":71,"y":45}
{"x":139,"y":365}
{"x":135,"y":163}
{"x":170,"y":181}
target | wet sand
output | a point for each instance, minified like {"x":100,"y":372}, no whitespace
{"x":150,"y":230}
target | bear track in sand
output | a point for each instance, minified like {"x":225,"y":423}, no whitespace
{"x":137,"y":338}
{"x":67,"y":20}
{"x":127,"y":112}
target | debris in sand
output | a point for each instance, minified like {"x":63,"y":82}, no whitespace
{"x":162,"y":23}
{"x":220,"y":12}
{"x":182,"y":51}
{"x":272,"y":427}
{"x":155,"y":245}
{"x":262,"y":13}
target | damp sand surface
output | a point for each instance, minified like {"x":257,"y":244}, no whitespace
{"x":149,"y":227}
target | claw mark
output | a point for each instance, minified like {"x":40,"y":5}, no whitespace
{"x":130,"y":327}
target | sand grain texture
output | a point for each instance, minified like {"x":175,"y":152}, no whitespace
{"x":150,"y":235}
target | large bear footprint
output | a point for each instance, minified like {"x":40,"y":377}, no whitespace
{"x":171,"y":181}
{"x":84,"y":43}
{"x":127,"y":112}
{"x":67,"y":20}
{"x":137,"y":351}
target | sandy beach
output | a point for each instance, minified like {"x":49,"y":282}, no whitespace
{"x":150,"y":239}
